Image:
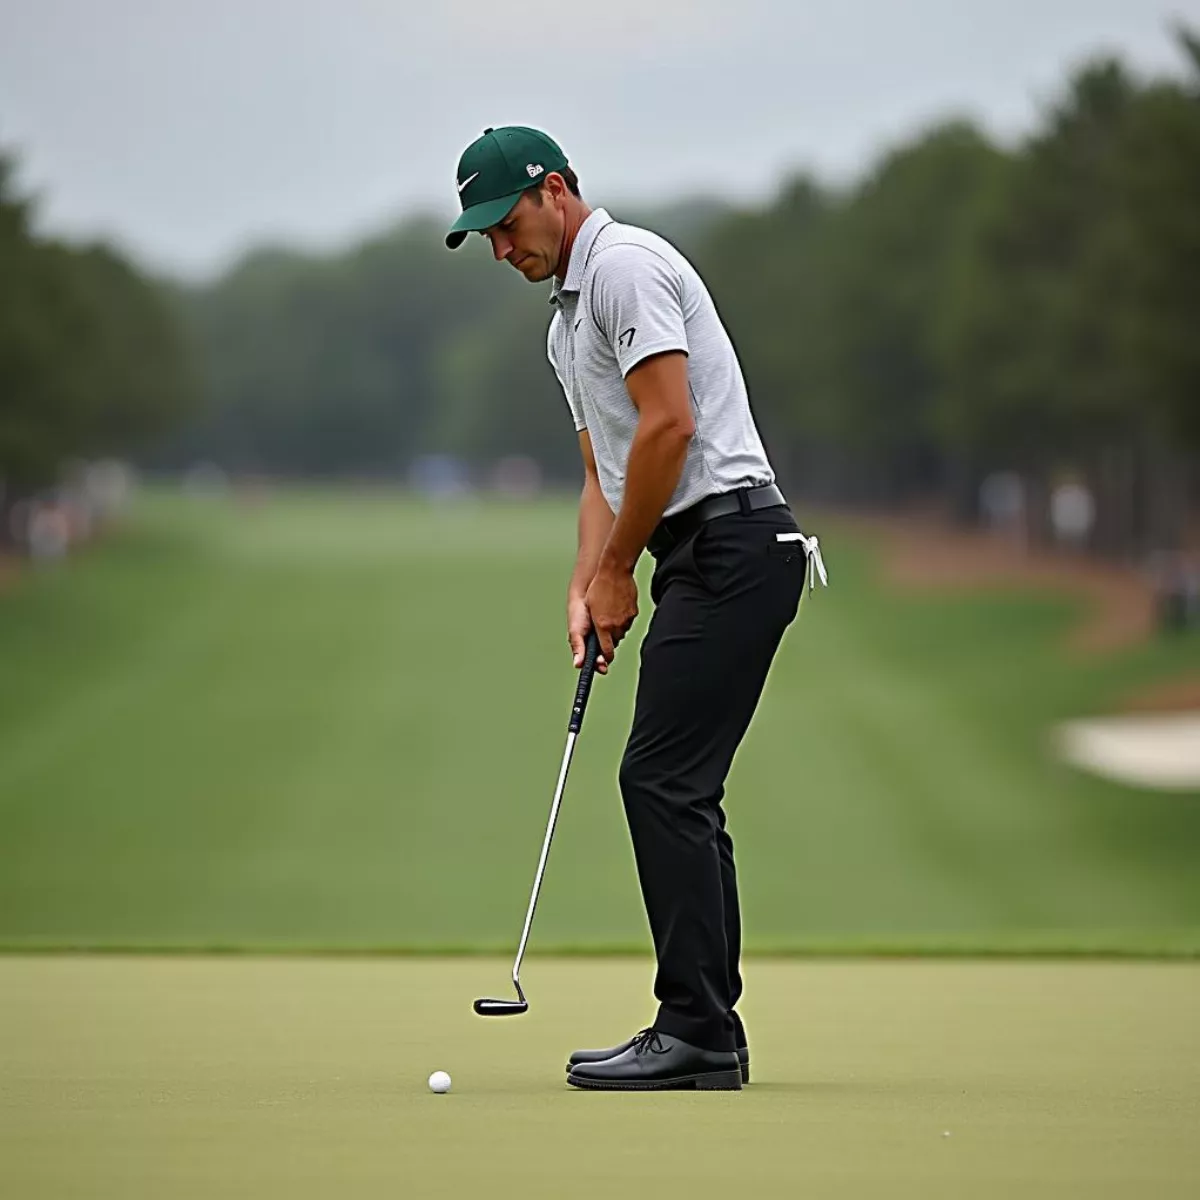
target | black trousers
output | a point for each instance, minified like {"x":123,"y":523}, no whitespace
{"x":722,"y":601}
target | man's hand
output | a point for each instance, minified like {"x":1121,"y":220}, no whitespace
{"x":611,"y":602}
{"x":579,"y":625}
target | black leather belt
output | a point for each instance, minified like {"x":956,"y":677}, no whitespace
{"x":681,"y":525}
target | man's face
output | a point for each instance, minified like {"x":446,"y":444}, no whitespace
{"x":530,"y":237}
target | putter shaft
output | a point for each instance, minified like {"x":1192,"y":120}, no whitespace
{"x":541,"y":867}
{"x":586,"y":675}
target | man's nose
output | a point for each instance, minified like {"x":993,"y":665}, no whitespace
{"x":501,"y":246}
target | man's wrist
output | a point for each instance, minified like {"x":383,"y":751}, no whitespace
{"x":577,"y":588}
{"x":614,"y":561}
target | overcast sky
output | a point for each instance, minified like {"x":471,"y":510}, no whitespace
{"x":187,"y":130}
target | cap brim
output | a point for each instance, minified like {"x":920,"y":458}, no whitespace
{"x":480,"y":216}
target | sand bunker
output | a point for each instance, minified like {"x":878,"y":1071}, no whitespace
{"x":1149,"y":751}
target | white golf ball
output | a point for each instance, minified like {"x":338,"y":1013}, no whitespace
{"x":439,"y":1081}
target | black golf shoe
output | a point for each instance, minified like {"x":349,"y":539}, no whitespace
{"x":657,"y":1061}
{"x":595,"y":1056}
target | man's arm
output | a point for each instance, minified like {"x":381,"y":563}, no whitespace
{"x":595,"y":523}
{"x":658,"y":387}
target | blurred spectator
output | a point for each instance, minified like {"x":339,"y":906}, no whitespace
{"x":439,"y":477}
{"x":205,"y":481}
{"x":1177,"y":593}
{"x":1072,"y":513}
{"x":108,"y":485}
{"x":1002,"y":501}
{"x":48,"y":531}
{"x":517,"y":476}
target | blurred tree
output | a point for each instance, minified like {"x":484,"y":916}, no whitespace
{"x":960,"y":308}
{"x":1066,"y":343}
{"x":833,"y":303}
{"x":897,"y":245}
{"x":92,"y":360}
{"x":1154,"y":247}
{"x":497,"y":393}
{"x":768,"y":274}
{"x":1156,"y":190}
{"x":361,"y":361}
{"x":1026,"y":349}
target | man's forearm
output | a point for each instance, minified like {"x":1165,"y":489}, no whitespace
{"x":652,"y":473}
{"x":595,"y":523}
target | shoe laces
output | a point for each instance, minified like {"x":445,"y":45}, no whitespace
{"x":648,"y":1040}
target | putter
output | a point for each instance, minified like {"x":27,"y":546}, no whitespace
{"x":512,"y":1008}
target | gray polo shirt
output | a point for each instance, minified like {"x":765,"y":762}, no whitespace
{"x":628,"y":294}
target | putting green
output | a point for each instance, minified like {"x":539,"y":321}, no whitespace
{"x":189,"y":1077}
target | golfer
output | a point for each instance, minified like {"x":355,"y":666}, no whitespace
{"x":673,"y":464}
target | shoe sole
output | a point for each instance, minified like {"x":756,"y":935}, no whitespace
{"x":572,"y":1066}
{"x":709,"y":1081}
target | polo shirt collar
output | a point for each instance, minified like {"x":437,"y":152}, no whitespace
{"x":580,"y":250}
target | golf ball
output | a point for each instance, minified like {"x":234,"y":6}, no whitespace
{"x":439,"y":1081}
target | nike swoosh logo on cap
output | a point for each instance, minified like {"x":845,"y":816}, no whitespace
{"x":468,"y":180}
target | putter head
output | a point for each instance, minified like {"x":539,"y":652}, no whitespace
{"x":501,"y":1008}
{"x":504,"y":1008}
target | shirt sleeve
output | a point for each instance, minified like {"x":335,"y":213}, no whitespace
{"x":576,"y":412}
{"x":637,"y":300}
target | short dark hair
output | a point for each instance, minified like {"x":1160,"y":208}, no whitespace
{"x":569,"y":178}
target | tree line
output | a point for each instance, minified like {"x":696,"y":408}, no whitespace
{"x":966,"y":309}
{"x":963,"y":307}
{"x":94,"y":356}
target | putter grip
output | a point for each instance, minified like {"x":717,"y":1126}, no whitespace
{"x":587,"y":673}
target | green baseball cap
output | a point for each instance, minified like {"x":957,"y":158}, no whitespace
{"x":493,"y":172}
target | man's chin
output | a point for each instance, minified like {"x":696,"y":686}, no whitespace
{"x":534,"y":272}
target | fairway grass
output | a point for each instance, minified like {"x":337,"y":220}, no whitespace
{"x":334,"y":720}
{"x":292,"y":1077}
